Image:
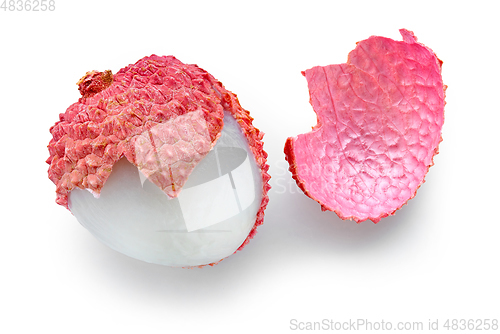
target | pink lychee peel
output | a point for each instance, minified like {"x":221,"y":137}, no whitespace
{"x":380,"y":117}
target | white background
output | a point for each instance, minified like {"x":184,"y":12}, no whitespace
{"x":437,"y":258}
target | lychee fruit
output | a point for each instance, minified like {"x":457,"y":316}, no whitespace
{"x":161,"y":163}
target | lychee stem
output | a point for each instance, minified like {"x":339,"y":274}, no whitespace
{"x":93,"y":82}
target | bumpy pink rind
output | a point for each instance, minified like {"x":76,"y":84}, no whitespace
{"x":117,"y":111}
{"x":380,"y":117}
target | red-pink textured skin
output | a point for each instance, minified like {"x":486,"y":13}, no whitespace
{"x":167,"y":153}
{"x":102,"y":127}
{"x":380,"y":117}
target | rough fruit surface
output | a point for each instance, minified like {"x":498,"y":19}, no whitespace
{"x":379,"y":125}
{"x":164,"y":116}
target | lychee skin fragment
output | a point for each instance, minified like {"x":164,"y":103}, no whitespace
{"x":380,"y":117}
{"x":120,"y":115}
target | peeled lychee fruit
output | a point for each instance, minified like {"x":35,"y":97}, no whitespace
{"x":379,"y":125}
{"x":160,"y":162}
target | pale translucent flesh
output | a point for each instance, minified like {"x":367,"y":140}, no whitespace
{"x":207,"y":222}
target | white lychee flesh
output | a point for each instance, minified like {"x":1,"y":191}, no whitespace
{"x":208,"y":221}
